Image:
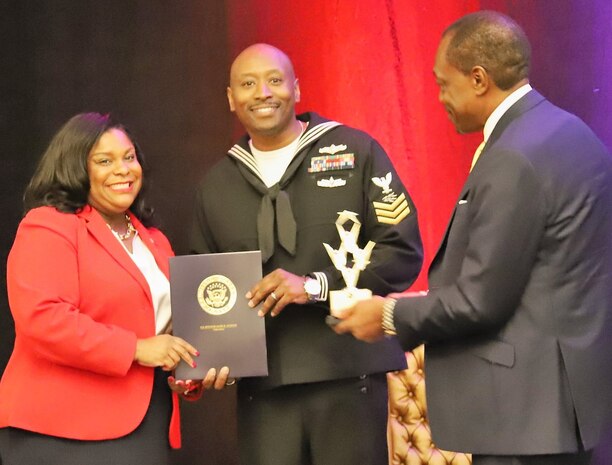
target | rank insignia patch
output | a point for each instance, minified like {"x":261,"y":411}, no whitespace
{"x":392,"y":209}
{"x":392,"y":213}
{"x":384,"y":183}
{"x":342,"y":161}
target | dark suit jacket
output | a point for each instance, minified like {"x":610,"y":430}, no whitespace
{"x":518,"y":321}
{"x":79,"y":304}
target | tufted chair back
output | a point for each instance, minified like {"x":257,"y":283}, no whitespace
{"x":408,"y":431}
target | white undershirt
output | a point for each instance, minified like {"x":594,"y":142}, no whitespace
{"x":272,"y":164}
{"x":158,"y":283}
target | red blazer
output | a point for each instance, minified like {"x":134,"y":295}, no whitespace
{"x":79,"y":303}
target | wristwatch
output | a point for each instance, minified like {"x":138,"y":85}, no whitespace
{"x":312,"y":287}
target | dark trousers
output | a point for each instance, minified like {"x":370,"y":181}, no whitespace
{"x":342,"y":422}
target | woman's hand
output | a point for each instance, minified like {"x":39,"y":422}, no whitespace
{"x":193,"y":389}
{"x":189,"y":389}
{"x":164,"y":351}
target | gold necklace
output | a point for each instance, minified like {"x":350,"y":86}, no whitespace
{"x":130,"y":229}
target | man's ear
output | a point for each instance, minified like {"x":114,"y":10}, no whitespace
{"x":296,"y":89}
{"x":481,"y":80}
{"x":230,"y":99}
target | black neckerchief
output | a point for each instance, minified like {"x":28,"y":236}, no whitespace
{"x":275,"y":202}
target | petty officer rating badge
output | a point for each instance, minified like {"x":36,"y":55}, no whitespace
{"x":392,"y":208}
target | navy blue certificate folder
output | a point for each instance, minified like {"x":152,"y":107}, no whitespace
{"x":210,"y":311}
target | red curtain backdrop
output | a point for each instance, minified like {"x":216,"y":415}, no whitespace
{"x":368,"y":64}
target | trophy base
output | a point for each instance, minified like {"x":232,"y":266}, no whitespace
{"x":340,"y":301}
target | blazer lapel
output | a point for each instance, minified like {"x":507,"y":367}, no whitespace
{"x":98,"y":228}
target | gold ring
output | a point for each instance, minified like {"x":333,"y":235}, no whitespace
{"x":273,"y":295}
{"x":231,"y":383}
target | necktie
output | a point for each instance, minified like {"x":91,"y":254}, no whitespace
{"x":477,"y":154}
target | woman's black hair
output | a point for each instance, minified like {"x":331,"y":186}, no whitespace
{"x":61,"y":179}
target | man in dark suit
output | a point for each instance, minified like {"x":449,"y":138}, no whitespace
{"x":517,"y":324}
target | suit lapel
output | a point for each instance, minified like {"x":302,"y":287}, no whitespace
{"x":526,"y":103}
{"x":100,"y":231}
{"x":437,"y":257}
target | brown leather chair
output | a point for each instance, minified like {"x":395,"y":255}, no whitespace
{"x":408,"y":431}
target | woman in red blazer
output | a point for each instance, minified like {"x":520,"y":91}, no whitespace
{"x":87,"y":382}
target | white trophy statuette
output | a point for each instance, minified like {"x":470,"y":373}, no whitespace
{"x":343,"y":299}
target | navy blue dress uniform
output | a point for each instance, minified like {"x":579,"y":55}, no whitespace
{"x":335,"y":168}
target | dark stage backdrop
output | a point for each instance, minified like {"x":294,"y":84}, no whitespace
{"x":161,"y":68}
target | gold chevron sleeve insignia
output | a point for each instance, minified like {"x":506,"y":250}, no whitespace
{"x":392,"y":213}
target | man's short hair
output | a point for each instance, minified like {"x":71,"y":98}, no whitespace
{"x":493,"y":41}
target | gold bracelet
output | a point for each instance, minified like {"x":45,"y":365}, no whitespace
{"x":388,"y":325}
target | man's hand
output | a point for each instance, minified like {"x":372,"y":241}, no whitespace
{"x":277,"y":290}
{"x":363,"y":320}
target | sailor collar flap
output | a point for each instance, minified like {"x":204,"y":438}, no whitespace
{"x":275,"y":204}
